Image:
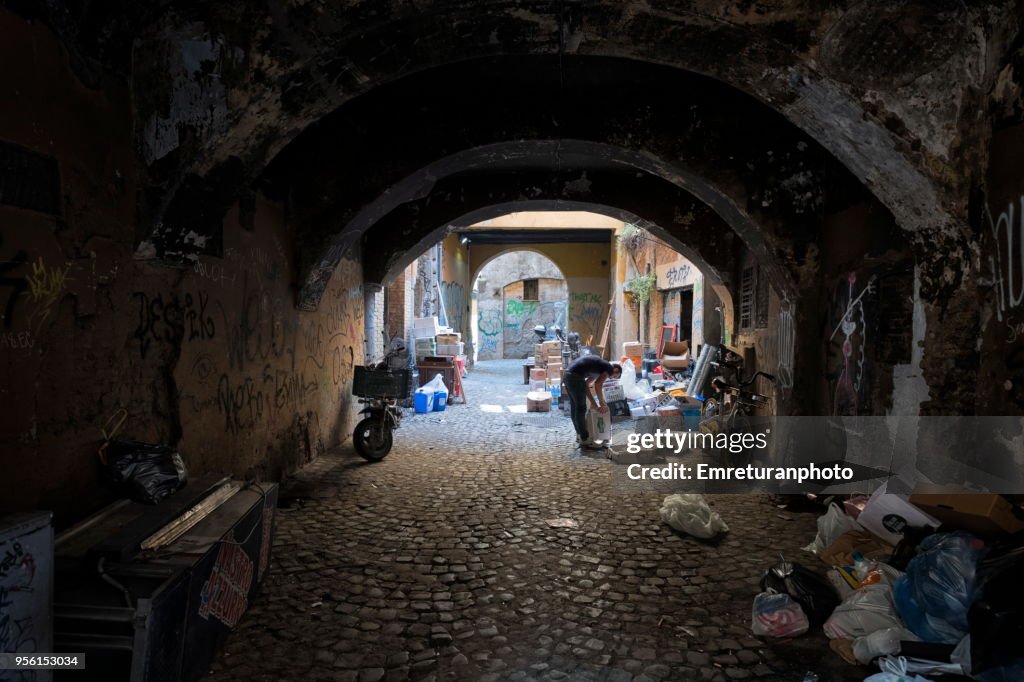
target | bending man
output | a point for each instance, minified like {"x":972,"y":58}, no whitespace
{"x":586,"y":373}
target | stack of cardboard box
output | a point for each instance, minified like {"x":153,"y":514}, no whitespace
{"x":553,"y":364}
{"x":450,"y":343}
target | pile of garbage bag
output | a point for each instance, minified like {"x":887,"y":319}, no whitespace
{"x":916,"y":595}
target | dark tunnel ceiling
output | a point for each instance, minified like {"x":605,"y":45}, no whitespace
{"x":420,"y":118}
{"x":351,"y":158}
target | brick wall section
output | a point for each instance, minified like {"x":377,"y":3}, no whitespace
{"x":396,"y":312}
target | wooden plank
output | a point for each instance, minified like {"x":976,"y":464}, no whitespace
{"x":607,"y":330}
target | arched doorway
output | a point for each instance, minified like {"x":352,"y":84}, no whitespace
{"x":515,"y":292}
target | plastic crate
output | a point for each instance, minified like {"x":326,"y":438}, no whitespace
{"x":381,"y":383}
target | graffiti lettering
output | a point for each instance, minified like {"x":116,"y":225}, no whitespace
{"x":586,"y":318}
{"x":242,"y":405}
{"x":17,"y":340}
{"x":677,"y":275}
{"x":259,"y":334}
{"x":1007,"y":267}
{"x":170,"y":320}
{"x":214,"y":272}
{"x":516,"y":308}
{"x":45,"y":287}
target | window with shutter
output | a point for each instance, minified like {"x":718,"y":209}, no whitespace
{"x":747,"y":300}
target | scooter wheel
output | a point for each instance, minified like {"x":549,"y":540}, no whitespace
{"x":372,"y":440}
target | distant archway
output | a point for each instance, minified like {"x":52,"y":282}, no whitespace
{"x":516,"y":290}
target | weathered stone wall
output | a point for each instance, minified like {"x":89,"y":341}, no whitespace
{"x":520,"y":315}
{"x":212,"y":358}
{"x":586,"y":270}
{"x":495,"y":294}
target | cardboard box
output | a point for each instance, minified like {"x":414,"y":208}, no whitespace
{"x":552,"y":349}
{"x":448,"y":338}
{"x":427,"y":323}
{"x":450,"y":348}
{"x":538,"y":401}
{"x":887,"y":515}
{"x":538,"y":374}
{"x":675,"y":355}
{"x":554,"y":370}
{"x":984,"y":514}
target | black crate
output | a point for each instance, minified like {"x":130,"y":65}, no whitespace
{"x":381,"y":383}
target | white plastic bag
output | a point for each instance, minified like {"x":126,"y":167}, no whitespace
{"x":436,"y":384}
{"x":775,"y":614}
{"x":599,"y":425}
{"x":832,"y":524}
{"x":866,"y":610}
{"x":882,"y":642}
{"x":629,"y":386}
{"x":691,"y":514}
{"x":894,"y":670}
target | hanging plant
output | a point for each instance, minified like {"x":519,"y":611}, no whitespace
{"x":641,"y":286}
{"x":631,"y":237}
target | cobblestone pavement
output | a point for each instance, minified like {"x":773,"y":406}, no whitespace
{"x":437,"y":563}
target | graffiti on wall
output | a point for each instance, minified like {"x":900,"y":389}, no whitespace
{"x":280,"y":365}
{"x":677,"y":275}
{"x":490,"y":326}
{"x":17,"y":581}
{"x":586,"y":313}
{"x":848,"y":345}
{"x":697,"y":322}
{"x":1006,"y":264}
{"x":46,"y":284}
{"x":520,"y":319}
{"x":37,"y":286}
{"x":453,"y":295}
{"x":186,"y":318}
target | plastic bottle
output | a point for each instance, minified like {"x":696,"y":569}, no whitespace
{"x":866,"y":572}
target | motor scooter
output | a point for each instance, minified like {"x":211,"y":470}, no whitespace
{"x":379,"y":388}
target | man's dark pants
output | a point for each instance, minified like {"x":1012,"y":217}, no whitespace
{"x":576,"y":387}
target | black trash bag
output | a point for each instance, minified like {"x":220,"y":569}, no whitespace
{"x":144,"y":472}
{"x":815,"y":594}
{"x":996,"y":618}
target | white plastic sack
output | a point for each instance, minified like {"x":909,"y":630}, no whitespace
{"x":881,"y":643}
{"x":775,"y":614}
{"x":632,"y":391}
{"x":831,"y":525}
{"x":864,"y":611}
{"x":599,"y":425}
{"x":894,"y":670}
{"x":436,"y":384}
{"x":691,"y":514}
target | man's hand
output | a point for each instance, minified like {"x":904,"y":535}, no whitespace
{"x":602,"y":408}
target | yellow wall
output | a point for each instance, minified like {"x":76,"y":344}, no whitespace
{"x":456,"y":284}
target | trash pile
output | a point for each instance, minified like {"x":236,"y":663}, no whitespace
{"x":925,"y":586}
{"x":633,"y":398}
